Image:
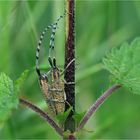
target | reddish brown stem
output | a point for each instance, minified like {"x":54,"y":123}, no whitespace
{"x":96,"y":105}
{"x":42,"y":114}
{"x":70,"y":72}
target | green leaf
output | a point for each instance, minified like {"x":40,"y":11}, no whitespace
{"x":78,"y":116}
{"x":66,"y":134}
{"x":8,"y":98}
{"x":124,"y":65}
{"x":18,"y":83}
{"x":63,"y":116}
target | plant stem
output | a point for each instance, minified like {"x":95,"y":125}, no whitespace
{"x":42,"y":114}
{"x":96,"y":105}
{"x":70,"y":72}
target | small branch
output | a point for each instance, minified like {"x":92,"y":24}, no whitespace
{"x":96,"y":105}
{"x":42,"y":114}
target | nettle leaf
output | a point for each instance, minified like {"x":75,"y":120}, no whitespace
{"x":8,"y":98}
{"x":124,"y":65}
{"x":63,"y":116}
{"x":18,"y":83}
{"x":78,"y":116}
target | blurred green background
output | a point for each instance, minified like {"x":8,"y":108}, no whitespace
{"x":99,"y":27}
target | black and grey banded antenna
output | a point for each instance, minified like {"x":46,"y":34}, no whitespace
{"x":51,"y":45}
{"x":38,"y":48}
{"x":54,"y":27}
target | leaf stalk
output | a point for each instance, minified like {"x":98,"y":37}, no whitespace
{"x":96,"y":105}
{"x":43,"y":114}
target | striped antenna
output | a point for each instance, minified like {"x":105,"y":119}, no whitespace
{"x":54,"y":26}
{"x":38,"y":48}
{"x":51,"y":46}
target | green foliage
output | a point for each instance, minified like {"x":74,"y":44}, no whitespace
{"x":124,"y":65}
{"x":78,"y":116}
{"x":63,"y":116}
{"x":66,"y":134}
{"x":9,"y":94}
{"x":109,"y":24}
{"x":18,"y":83}
{"x":8,"y":97}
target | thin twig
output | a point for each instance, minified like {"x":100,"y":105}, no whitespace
{"x":42,"y":114}
{"x":96,"y":105}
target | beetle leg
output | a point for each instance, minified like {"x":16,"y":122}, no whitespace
{"x":68,"y":83}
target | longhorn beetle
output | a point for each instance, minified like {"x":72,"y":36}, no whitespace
{"x":53,"y":88}
{"x":50,"y":82}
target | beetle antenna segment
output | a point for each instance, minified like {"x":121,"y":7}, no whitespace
{"x":54,"y":27}
{"x":54,"y":63}
{"x":38,"y":48}
{"x":50,"y":61}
